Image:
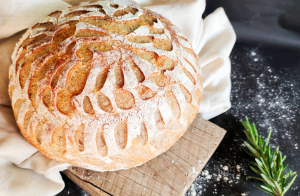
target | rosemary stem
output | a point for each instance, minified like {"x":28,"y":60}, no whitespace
{"x":269,"y":164}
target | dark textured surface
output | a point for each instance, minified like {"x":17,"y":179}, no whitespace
{"x":272,"y":22}
{"x":71,"y":188}
{"x":265,"y":87}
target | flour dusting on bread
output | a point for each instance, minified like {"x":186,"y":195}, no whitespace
{"x":104,"y":86}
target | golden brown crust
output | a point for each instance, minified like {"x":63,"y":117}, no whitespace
{"x":104,"y":86}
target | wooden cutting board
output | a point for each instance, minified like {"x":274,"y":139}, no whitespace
{"x":171,"y":173}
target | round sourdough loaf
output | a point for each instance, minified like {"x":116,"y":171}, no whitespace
{"x":104,"y":86}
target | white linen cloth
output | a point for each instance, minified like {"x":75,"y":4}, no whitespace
{"x":26,"y":172}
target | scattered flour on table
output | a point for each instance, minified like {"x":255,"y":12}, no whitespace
{"x":226,"y":174}
{"x":277,"y":101}
{"x":258,"y":92}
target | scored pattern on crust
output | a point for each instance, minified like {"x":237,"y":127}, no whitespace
{"x":100,"y":84}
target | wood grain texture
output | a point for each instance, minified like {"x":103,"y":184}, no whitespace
{"x":91,"y":189}
{"x":171,"y":173}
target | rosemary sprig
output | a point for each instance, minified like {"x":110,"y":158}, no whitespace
{"x":268,"y":164}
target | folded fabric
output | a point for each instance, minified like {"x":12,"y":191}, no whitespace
{"x":24,"y":170}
